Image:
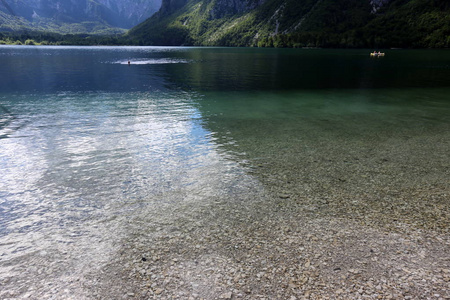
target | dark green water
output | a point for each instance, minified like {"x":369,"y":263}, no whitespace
{"x":87,"y":141}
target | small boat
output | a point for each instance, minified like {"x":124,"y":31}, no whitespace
{"x":376,"y":54}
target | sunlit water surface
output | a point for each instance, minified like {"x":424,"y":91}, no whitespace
{"x":88,"y":141}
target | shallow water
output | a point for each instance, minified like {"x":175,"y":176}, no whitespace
{"x":88,"y":142}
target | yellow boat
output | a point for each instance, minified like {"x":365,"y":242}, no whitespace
{"x":376,"y":54}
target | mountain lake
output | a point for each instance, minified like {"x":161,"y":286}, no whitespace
{"x":233,"y":173}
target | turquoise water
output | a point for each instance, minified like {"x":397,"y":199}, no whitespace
{"x":88,"y":142}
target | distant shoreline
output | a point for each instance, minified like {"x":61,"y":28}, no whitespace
{"x":57,"y":39}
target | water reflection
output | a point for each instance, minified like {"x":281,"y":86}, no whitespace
{"x":84,"y":165}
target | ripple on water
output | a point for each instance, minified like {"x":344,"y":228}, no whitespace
{"x":85,"y":164}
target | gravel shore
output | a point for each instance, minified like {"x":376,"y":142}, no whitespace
{"x":351,"y":215}
{"x":279,"y":251}
{"x":288,"y":243}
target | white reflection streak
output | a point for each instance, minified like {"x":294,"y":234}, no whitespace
{"x":153,"y":61}
{"x":22,"y":165}
{"x":76,"y":184}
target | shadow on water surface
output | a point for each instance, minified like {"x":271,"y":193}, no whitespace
{"x":226,"y":69}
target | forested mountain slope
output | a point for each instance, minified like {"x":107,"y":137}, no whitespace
{"x":298,"y":23}
{"x":75,"y":16}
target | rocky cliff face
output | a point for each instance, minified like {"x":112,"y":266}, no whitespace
{"x":115,"y":13}
{"x":133,"y":11}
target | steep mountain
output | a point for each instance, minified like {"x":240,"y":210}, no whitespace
{"x":298,"y":23}
{"x":75,"y":16}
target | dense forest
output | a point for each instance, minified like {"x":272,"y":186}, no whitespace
{"x":276,"y":23}
{"x":301,"y":23}
{"x":49,"y":38}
